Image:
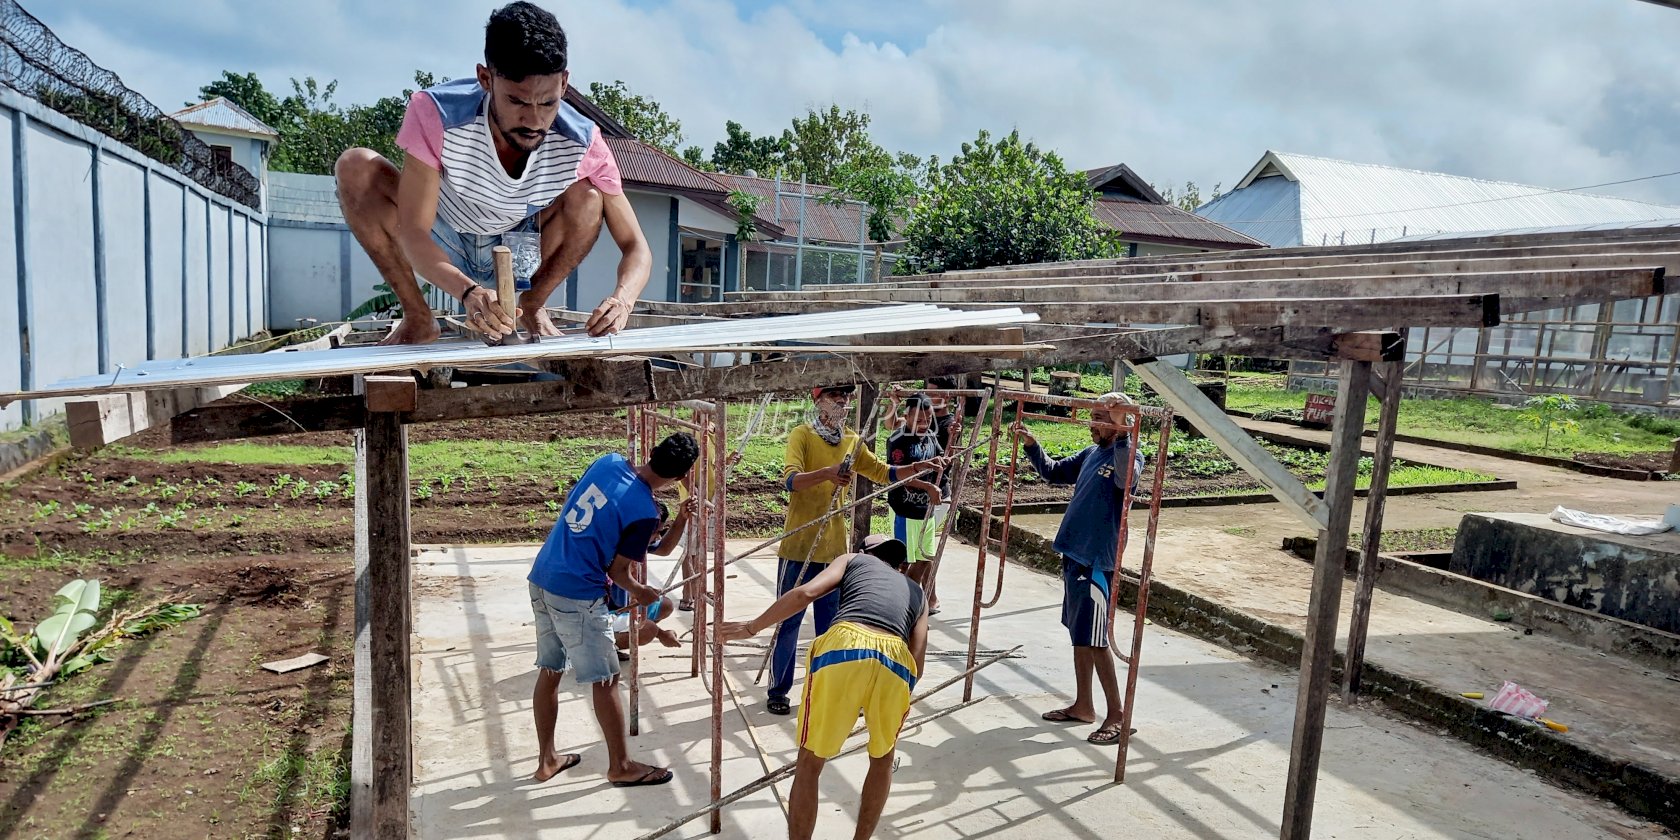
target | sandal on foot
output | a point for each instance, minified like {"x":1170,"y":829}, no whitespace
{"x":653,"y":776}
{"x":686,"y":605}
{"x":1060,"y":716}
{"x":1107,"y":735}
{"x":778,"y":707}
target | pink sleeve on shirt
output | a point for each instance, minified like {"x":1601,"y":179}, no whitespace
{"x":599,"y":166}
{"x":421,"y":134}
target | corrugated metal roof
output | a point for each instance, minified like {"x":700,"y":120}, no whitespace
{"x":220,"y":113}
{"x":838,"y":223}
{"x":1136,"y":220}
{"x":296,"y":197}
{"x":1290,"y":199}
{"x":642,"y":164}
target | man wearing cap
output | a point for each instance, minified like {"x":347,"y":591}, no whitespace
{"x":1090,"y":541}
{"x":821,"y":457}
{"x":865,"y":665}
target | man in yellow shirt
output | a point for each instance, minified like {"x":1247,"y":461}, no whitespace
{"x":814,"y":465}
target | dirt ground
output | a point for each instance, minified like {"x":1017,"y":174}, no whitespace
{"x":202,"y":742}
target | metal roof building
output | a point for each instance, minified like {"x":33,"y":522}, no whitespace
{"x":1289,"y":199}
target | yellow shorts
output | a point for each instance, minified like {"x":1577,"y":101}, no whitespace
{"x":854,"y":671}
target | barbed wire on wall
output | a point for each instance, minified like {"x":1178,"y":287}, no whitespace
{"x":35,"y":63}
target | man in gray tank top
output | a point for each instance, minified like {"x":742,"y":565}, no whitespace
{"x":864,"y":665}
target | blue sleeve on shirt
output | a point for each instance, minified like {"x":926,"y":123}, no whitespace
{"x":1064,"y":471}
{"x":633,"y":542}
{"x":1121,"y":450}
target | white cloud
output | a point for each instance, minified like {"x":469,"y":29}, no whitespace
{"x":1560,"y":93}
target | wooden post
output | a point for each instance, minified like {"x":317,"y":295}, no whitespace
{"x":382,"y":535}
{"x":868,"y":395}
{"x":1674,"y":460}
{"x":1319,"y":648}
{"x":1371,"y":541}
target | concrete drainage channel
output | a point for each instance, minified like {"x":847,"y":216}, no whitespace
{"x":1639,"y":789}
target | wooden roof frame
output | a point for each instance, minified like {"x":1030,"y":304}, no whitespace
{"x":1349,"y":305}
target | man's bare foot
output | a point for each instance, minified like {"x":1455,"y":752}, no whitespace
{"x":550,"y":766}
{"x":420,"y":329}
{"x":534,"y":318}
{"x":635,"y":774}
{"x":668,"y":639}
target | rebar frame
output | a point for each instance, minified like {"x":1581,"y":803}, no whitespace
{"x":1132,"y":417}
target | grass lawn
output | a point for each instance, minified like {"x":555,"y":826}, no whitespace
{"x":1481,"y":422}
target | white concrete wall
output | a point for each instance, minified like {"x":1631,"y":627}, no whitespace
{"x":96,"y":215}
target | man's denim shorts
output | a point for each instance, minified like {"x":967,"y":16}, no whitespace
{"x":574,"y":634}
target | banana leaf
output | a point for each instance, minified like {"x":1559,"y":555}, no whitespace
{"x":73,"y":614}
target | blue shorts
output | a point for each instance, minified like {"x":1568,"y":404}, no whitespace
{"x":1085,"y":604}
{"x":470,"y":252}
{"x":573,"y":633}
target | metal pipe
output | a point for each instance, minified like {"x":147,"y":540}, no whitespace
{"x":984,"y":543}
{"x":1141,"y":607}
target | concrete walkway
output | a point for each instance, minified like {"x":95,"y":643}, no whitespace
{"x":1208,"y":760}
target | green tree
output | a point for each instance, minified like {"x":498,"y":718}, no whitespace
{"x":888,"y":190}
{"x":314,"y":129}
{"x":1190,"y":198}
{"x":1003,"y":203}
{"x":823,"y":144}
{"x":696,"y":157}
{"x":643,"y":116}
{"x":740,"y":152}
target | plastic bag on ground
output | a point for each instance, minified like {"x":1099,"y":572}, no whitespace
{"x":1609,"y":524}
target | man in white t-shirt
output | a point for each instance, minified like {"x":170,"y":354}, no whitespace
{"x":498,"y":159}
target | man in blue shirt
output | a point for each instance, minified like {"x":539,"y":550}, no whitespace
{"x":1089,"y":541}
{"x":604,"y":528}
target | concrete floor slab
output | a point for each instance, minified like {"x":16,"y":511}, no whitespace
{"x":1208,"y":760}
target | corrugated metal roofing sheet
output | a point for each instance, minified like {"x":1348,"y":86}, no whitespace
{"x":1290,"y":199}
{"x":642,"y":164}
{"x":1652,"y":225}
{"x":1164,"y":222}
{"x":220,"y":113}
{"x":296,"y":197}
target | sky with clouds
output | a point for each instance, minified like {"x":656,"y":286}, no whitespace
{"x":1557,"y":93}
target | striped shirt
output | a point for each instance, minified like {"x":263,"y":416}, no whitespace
{"x":447,"y":127}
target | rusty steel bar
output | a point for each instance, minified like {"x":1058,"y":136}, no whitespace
{"x":984,"y":542}
{"x":959,"y":484}
{"x":1008,"y":507}
{"x":1145,"y":574}
{"x":819,"y":520}
{"x":1087,"y":403}
{"x":714,"y":600}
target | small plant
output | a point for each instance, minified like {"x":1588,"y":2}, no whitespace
{"x":424,"y":491}
{"x":1551,"y":413}
{"x":325,"y":489}
{"x":81,"y":509}
{"x":552,"y":505}
{"x":243,"y":489}
{"x":46,"y":508}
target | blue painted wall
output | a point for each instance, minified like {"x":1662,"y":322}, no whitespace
{"x":98,"y":227}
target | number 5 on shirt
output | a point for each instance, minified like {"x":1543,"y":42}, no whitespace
{"x":583,"y":513}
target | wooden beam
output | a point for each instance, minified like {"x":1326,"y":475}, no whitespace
{"x":1642,"y":279}
{"x":1319,"y":647}
{"x":1370,"y":346}
{"x":1624,"y":255}
{"x":1187,"y":400}
{"x":1544,"y":244}
{"x":383,"y":537}
{"x":389,"y":394}
{"x":1353,"y":313}
{"x":616,"y":384}
{"x":869,"y":394}
{"x":1370,"y":545}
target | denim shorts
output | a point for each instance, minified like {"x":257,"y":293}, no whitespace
{"x":573,"y":633}
{"x":470,"y":252}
